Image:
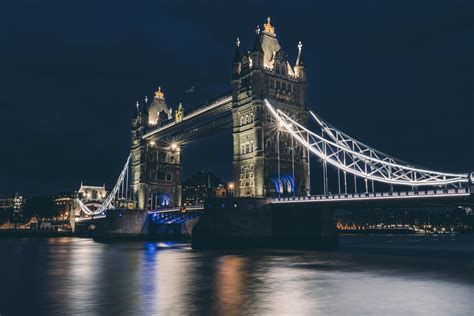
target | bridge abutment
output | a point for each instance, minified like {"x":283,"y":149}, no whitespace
{"x":255,"y":222}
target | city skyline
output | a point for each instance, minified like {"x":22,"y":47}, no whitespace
{"x":84,"y":83}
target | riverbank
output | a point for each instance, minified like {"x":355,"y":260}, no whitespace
{"x":26,"y":233}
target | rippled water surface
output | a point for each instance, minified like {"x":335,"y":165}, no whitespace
{"x":368,"y":275}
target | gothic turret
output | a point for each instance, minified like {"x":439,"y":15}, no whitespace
{"x":245,"y":68}
{"x":158,"y":111}
{"x":257,"y":51}
{"x":265,"y":74}
{"x":139,"y":120}
{"x":299,"y":65}
{"x":237,"y":61}
{"x":136,"y":111}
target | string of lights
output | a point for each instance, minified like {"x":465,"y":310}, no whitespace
{"x":356,"y":158}
{"x":107,"y":203}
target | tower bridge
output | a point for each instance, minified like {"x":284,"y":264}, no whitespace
{"x":275,"y":135}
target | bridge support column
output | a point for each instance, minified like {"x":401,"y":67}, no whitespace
{"x":255,"y":222}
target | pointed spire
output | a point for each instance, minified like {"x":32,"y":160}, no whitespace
{"x":146,"y":99}
{"x":137,"y":109}
{"x":237,"y":56}
{"x":257,"y":45}
{"x":299,"y":59}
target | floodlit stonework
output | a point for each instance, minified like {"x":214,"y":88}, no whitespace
{"x":266,"y":73}
{"x":266,"y":161}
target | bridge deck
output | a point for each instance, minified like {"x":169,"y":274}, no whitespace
{"x":212,"y":116}
{"x":463,"y":192}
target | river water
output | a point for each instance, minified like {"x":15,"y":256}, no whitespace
{"x":367,"y":275}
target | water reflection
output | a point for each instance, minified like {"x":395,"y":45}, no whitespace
{"x":78,"y":276}
{"x":230,"y":284}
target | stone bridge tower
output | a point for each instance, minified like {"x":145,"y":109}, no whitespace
{"x":155,"y":163}
{"x":265,"y":73}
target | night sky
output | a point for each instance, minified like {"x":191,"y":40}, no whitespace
{"x":397,"y":75}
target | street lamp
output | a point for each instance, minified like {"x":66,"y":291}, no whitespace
{"x":231,"y":187}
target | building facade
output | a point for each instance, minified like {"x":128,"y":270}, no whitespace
{"x":155,"y":164}
{"x":13,"y":204}
{"x":267,"y":162}
{"x":65,"y":203}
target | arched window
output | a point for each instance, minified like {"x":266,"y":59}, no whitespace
{"x":247,"y":147}
{"x":251,"y":146}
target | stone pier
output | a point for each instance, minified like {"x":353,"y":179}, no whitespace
{"x":255,"y":223}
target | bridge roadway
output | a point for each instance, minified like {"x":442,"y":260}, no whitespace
{"x":209,"y":118}
{"x":438,"y":197}
{"x":162,"y":212}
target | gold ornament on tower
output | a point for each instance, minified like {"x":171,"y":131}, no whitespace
{"x":268,"y":28}
{"x":179,"y":113}
{"x":159,"y":94}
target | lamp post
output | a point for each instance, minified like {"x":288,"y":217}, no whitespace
{"x":278,"y":151}
{"x":231,"y":187}
{"x":293,"y":163}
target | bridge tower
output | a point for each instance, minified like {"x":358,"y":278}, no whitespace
{"x":265,"y":158}
{"x":155,"y":163}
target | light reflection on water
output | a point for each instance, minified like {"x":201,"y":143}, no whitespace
{"x":371,"y":276}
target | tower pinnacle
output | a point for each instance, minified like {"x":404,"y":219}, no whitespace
{"x":268,"y":28}
{"x":299,"y":59}
{"x":159,"y":94}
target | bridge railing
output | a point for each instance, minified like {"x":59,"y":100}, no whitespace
{"x":433,"y":193}
{"x":196,"y":111}
{"x":177,"y":209}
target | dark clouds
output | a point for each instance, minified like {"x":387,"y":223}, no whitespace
{"x":397,"y":75}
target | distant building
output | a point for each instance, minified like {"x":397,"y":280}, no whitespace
{"x":92,"y":197}
{"x":220,"y":191}
{"x":6,"y":204}
{"x":64,"y":203}
{"x":200,"y":186}
{"x":430,"y":219}
{"x":93,"y":193}
{"x":13,"y":206}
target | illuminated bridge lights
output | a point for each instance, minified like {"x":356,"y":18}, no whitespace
{"x":170,"y":217}
{"x":353,"y":157}
{"x":430,"y":194}
{"x":120,"y":191}
{"x":329,"y":144}
{"x":190,"y":115}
